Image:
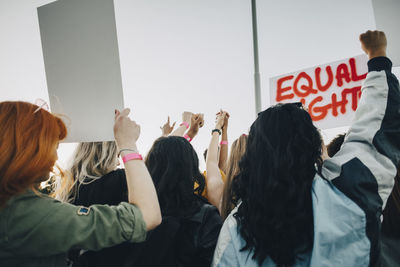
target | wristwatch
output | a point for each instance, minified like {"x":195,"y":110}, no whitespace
{"x":216,"y":130}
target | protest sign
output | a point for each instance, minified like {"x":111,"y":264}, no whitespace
{"x":81,"y":57}
{"x":330,"y":92}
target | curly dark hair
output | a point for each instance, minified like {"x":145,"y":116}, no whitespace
{"x":275,"y":217}
{"x":335,"y":145}
{"x":174,"y":167}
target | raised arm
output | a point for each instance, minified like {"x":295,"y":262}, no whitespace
{"x":223,"y":152}
{"x":372,"y":144}
{"x":197,"y":122}
{"x":186,"y":119}
{"x":141,"y":191}
{"x":167,"y":128}
{"x":215,"y":184}
{"x":365,"y":166}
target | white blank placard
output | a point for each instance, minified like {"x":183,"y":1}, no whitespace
{"x":80,"y":51}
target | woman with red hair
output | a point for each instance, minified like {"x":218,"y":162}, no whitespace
{"x":36,"y":230}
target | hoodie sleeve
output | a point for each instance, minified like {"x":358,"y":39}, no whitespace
{"x":365,"y":166}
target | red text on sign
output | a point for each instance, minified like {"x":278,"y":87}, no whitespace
{"x":301,"y":86}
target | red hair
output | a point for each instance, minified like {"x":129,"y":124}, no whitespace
{"x":29,"y":137}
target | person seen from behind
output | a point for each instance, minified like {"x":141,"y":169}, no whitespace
{"x":36,"y":230}
{"x":190,"y":227}
{"x":390,"y":230}
{"x":290,"y":213}
{"x":97,"y":180}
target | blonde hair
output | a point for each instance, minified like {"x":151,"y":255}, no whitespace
{"x":91,"y":161}
{"x":237,"y":151}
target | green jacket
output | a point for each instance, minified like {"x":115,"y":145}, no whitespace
{"x":39,"y":231}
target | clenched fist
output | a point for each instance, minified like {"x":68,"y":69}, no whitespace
{"x":374,"y":43}
{"x":126,"y":131}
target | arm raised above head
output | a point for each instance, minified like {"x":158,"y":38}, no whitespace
{"x":365,"y":165}
{"x":186,"y":119}
{"x":141,"y":191}
{"x":223,"y":153}
{"x":215,"y":185}
{"x":167,"y":128}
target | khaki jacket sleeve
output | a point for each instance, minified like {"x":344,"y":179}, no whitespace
{"x":63,"y":226}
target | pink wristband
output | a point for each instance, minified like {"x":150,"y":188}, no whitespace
{"x":185,"y":123}
{"x":224,"y":142}
{"x":187,"y":137}
{"x":131,"y":156}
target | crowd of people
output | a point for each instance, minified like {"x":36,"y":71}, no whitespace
{"x":279,"y":198}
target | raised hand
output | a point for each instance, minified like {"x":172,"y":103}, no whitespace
{"x":186,"y":121}
{"x":220,"y":119}
{"x":187,"y":116}
{"x":126,"y":131}
{"x":166,"y":129}
{"x":225,"y":126}
{"x":374,"y":43}
{"x":197,"y":122}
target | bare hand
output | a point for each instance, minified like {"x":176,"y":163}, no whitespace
{"x":374,"y":43}
{"x":225,"y":126}
{"x":197,"y":122}
{"x":187,"y":116}
{"x":219,"y":124}
{"x":167,"y":128}
{"x":126,"y":131}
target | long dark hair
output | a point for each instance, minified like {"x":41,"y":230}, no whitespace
{"x":275,"y":217}
{"x":174,"y":166}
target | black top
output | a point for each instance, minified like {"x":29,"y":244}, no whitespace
{"x":390,"y":231}
{"x":180,"y":242}
{"x":176,"y":242}
{"x":110,"y":189}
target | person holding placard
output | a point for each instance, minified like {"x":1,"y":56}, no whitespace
{"x":36,"y":230}
{"x":292,"y":213}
